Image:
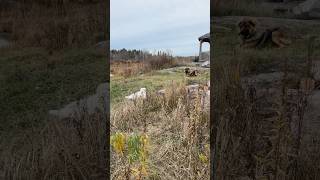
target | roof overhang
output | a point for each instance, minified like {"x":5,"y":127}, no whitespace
{"x":205,"y":38}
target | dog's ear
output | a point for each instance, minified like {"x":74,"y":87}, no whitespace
{"x":253,"y":22}
{"x":240,"y":23}
{"x":243,"y":21}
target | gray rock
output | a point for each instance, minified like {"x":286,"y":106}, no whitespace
{"x":310,"y":8}
{"x":4,"y":43}
{"x":161,"y":92}
{"x":141,"y":94}
{"x":98,"y":102}
{"x":206,"y":64}
{"x":265,"y":78}
{"x":192,"y":88}
{"x":311,"y":119}
{"x":205,"y":100}
{"x":4,"y":40}
{"x":316,"y":70}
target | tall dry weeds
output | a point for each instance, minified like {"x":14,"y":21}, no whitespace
{"x":254,"y":138}
{"x":178,"y":131}
{"x":63,"y":149}
{"x":129,"y":67}
{"x":55,"y":25}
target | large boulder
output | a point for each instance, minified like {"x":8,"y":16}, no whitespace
{"x":311,"y":120}
{"x":141,"y":94}
{"x":4,"y":40}
{"x":206,"y":64}
{"x":310,"y":8}
{"x":98,"y":102}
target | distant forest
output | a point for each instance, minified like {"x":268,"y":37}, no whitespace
{"x":124,"y":54}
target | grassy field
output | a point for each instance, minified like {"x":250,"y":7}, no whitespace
{"x":251,"y":142}
{"x":169,"y":132}
{"x":256,"y":8}
{"x":254,"y":61}
{"x":51,"y":61}
{"x":153,"y":81}
{"x":239,"y":8}
{"x":33,"y":82}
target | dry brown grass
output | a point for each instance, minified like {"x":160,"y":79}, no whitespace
{"x":57,"y":149}
{"x":126,"y":68}
{"x":178,"y":131}
{"x":254,"y":140}
{"x":55,"y":24}
{"x":63,"y":149}
{"x":239,"y":8}
{"x":131,"y":67}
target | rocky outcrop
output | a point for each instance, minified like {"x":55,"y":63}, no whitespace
{"x":98,"y":102}
{"x":206,"y":64}
{"x":298,"y":106}
{"x":311,"y":118}
{"x":141,"y":94}
{"x":194,"y":91}
{"x":310,"y":8}
{"x":4,"y":40}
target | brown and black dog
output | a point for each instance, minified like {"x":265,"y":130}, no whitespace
{"x":190,"y":72}
{"x":252,"y":38}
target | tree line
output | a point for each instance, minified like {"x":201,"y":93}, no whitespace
{"x":134,"y":54}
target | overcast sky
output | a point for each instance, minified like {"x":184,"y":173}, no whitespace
{"x":173,"y":25}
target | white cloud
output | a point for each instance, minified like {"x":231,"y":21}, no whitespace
{"x":150,"y":24}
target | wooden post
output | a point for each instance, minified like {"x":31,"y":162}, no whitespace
{"x":200,"y":50}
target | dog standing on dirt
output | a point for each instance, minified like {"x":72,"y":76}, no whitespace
{"x":252,"y":38}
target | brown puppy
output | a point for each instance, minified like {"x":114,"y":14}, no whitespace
{"x":252,"y":38}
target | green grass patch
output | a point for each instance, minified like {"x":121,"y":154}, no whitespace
{"x":33,"y":82}
{"x":255,"y":61}
{"x":121,"y":87}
